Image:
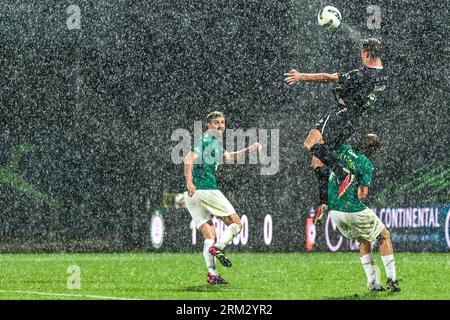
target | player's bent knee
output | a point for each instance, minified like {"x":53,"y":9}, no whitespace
{"x":233,"y":218}
{"x":236,"y":228}
{"x":384,"y":235}
{"x":307,"y":146}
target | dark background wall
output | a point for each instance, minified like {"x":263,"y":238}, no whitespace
{"x":99,"y":105}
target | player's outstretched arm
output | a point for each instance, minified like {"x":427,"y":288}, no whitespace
{"x":189,"y":162}
{"x":294,"y":76}
{"x":237,"y":154}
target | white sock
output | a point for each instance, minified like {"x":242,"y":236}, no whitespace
{"x":209,"y":259}
{"x":389,"y":266}
{"x":369,"y":268}
{"x":228,"y":235}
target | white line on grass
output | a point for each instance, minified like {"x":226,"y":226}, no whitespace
{"x":66,"y":295}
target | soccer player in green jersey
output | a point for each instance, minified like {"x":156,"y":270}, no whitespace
{"x":354,"y":219}
{"x":204,"y":200}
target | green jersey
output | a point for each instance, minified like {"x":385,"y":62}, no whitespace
{"x":362,"y":168}
{"x":209,"y":153}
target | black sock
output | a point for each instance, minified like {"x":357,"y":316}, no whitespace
{"x":328,"y":156}
{"x":322,"y":175}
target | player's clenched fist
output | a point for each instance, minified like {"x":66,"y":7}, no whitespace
{"x":255,"y":146}
{"x":191,"y":189}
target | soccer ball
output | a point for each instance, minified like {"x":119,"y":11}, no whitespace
{"x":329,"y":18}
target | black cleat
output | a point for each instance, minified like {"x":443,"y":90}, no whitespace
{"x":375,"y":287}
{"x":392,"y":285}
{"x":219,"y":254}
{"x":214,"y":279}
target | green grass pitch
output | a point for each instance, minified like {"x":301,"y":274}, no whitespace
{"x":172,"y":276}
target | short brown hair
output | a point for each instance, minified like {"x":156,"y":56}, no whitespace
{"x":373,"y":47}
{"x":213,"y":115}
{"x":369,"y":144}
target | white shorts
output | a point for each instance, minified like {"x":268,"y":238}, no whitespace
{"x":353,"y":225}
{"x":205,"y":204}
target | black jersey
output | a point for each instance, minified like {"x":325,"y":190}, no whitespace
{"x":360,"y":88}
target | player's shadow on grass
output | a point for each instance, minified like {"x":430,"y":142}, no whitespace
{"x":365,"y":296}
{"x":205,"y":288}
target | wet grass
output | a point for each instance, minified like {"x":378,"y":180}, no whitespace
{"x":259,"y":276}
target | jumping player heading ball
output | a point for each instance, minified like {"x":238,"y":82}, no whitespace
{"x":358,"y":91}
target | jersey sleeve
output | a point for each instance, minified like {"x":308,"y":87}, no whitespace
{"x":351,"y":78}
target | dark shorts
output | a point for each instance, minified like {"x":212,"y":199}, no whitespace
{"x":336,"y":128}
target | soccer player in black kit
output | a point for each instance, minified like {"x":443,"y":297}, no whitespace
{"x":358,"y":91}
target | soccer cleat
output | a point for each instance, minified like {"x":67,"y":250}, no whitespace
{"x":345,"y":184}
{"x":321,"y":214}
{"x":214,"y":279}
{"x":392,"y":285}
{"x":219,"y":254}
{"x":375,"y":287}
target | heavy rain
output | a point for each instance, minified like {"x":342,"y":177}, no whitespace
{"x":93,"y":91}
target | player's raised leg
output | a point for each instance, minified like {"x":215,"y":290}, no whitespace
{"x":323,"y":143}
{"x":322,"y":174}
{"x":387,"y":255}
{"x":327,"y":154}
{"x":234,"y":227}
{"x":218,"y":205}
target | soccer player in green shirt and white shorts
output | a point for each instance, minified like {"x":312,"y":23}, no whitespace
{"x":204,"y":200}
{"x":354,"y":219}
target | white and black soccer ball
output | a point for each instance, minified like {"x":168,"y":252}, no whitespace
{"x":329,"y":18}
